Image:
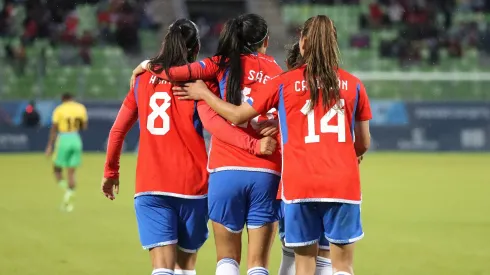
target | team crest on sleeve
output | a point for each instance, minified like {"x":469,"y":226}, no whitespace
{"x":202,"y":64}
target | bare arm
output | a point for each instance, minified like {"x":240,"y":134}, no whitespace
{"x":362,"y":137}
{"x":52,"y":135}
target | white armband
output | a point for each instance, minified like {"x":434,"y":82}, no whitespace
{"x":144,"y":64}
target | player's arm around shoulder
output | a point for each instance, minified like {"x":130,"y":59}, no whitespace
{"x":199,"y":91}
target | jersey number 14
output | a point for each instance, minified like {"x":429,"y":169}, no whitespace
{"x":159,"y":111}
{"x":339,"y":129}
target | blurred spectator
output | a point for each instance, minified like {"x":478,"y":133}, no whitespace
{"x":85,"y":42}
{"x":376,"y":14}
{"x":434,"y":56}
{"x":16,"y":55}
{"x":5,"y":19}
{"x":127,"y":28}
{"x":395,"y":12}
{"x":454,"y":48}
{"x":425,"y":26}
{"x":73,"y":26}
{"x":31,"y":117}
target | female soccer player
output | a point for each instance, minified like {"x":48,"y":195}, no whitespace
{"x":323,"y":263}
{"x":242,"y":187}
{"x":324,"y":118}
{"x":171,"y":175}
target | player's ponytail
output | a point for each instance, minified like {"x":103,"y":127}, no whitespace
{"x":180,"y":46}
{"x":321,"y":56}
{"x":242,"y":35}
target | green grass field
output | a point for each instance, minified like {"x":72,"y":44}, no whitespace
{"x":422,"y":214}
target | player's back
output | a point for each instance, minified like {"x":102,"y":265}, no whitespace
{"x":319,"y":144}
{"x":257,"y":70}
{"x":172,"y":155}
{"x":70,"y":116}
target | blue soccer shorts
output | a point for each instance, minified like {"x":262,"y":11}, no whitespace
{"x":322,"y":243}
{"x":165,"y":220}
{"x":305,"y":223}
{"x":239,"y":197}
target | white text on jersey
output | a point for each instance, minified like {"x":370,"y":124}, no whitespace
{"x":301,"y":86}
{"x":258,"y":76}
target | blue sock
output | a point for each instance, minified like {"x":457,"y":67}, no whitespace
{"x":258,"y":271}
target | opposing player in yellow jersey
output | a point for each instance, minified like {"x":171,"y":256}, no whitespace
{"x":68,"y":119}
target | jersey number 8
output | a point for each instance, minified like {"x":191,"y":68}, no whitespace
{"x":312,"y":137}
{"x":159,"y":111}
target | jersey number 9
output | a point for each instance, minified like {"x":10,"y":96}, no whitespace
{"x":159,"y":111}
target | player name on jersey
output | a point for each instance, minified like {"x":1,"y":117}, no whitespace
{"x":301,"y":86}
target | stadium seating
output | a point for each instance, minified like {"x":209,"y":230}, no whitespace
{"x":346,"y":19}
{"x":107,"y":76}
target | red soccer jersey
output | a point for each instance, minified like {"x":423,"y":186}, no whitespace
{"x":258,"y":70}
{"x":319,"y":160}
{"x":172,"y":154}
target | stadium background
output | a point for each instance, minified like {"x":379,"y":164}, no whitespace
{"x":426,"y":67}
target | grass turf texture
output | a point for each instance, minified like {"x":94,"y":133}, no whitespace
{"x":422,"y":214}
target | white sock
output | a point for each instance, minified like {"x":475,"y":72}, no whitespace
{"x":184,"y":272}
{"x":342,"y":273}
{"x":258,"y":271}
{"x":323,"y":266}
{"x":227,"y":266}
{"x":287,"y":266}
{"x":162,"y":271}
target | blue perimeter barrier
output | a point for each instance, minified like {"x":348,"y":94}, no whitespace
{"x":396,"y":125}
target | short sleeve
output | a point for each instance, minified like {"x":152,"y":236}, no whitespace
{"x":56,"y":116}
{"x":265,"y":97}
{"x":84,"y":114}
{"x":363,"y":108}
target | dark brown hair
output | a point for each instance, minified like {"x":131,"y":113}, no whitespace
{"x":66,"y":96}
{"x":321,"y":56}
{"x":294,"y":58}
{"x":180,"y":46}
{"x":241,"y":35}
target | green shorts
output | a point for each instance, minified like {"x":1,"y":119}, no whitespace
{"x":68,"y":150}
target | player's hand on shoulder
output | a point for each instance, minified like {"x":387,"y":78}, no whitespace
{"x":137,"y":71}
{"x":110,"y":187}
{"x":191,"y":90}
{"x":267,"y":146}
{"x":268,"y":128}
